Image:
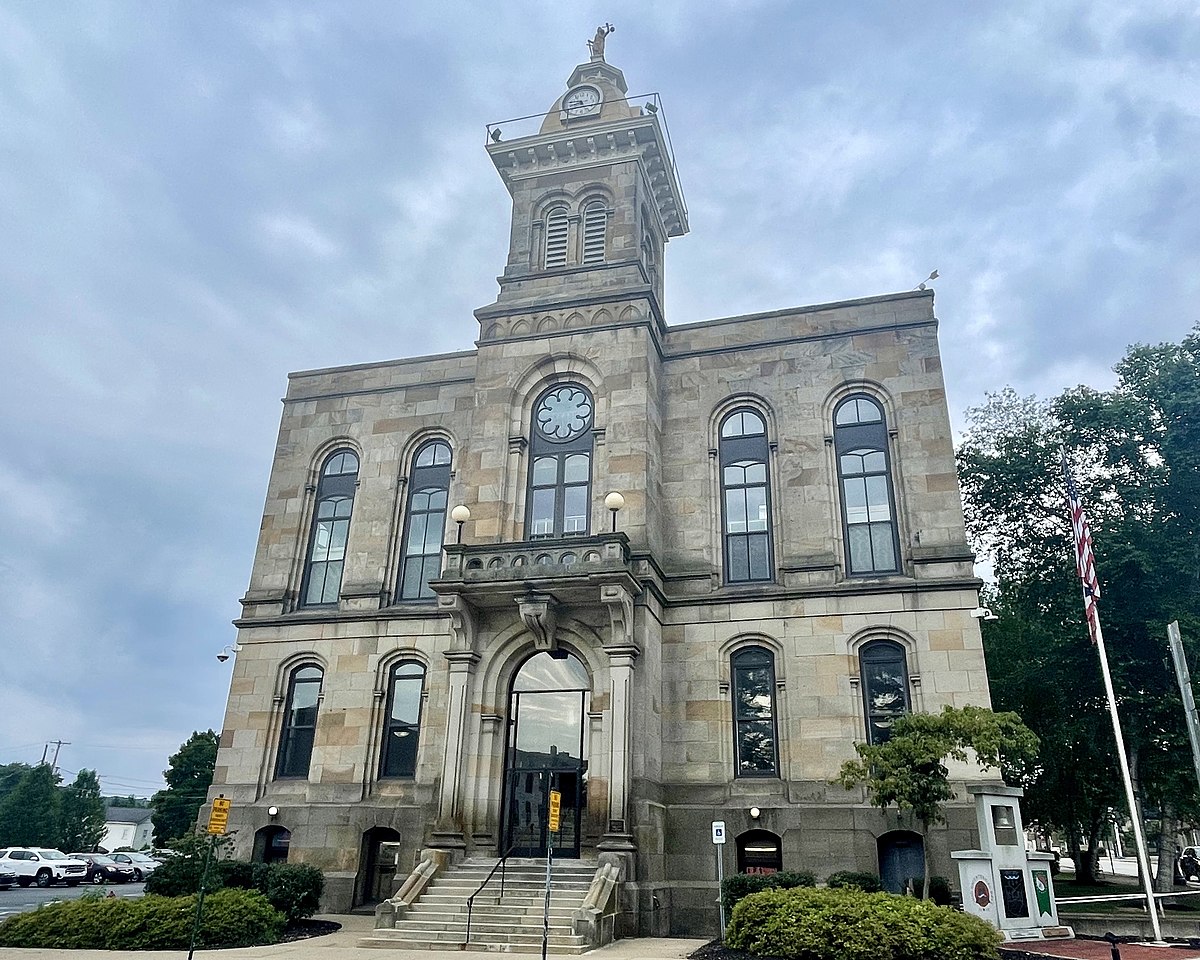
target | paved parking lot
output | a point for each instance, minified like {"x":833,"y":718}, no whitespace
{"x":21,"y":899}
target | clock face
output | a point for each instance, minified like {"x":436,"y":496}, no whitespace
{"x":581,"y":102}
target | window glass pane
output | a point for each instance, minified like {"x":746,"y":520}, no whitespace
{"x":316,"y":583}
{"x":420,"y":501}
{"x":760,"y":569}
{"x":756,"y":473}
{"x":877,"y":498}
{"x":435,"y":525}
{"x":739,"y":561}
{"x":575,"y":510}
{"x":545,"y":471}
{"x":858,"y":538}
{"x":333,"y":582}
{"x":756,"y":746}
{"x":867,"y":411}
{"x":756,"y":508}
{"x":341,"y":507}
{"x":735,"y":511}
{"x":431,"y":570}
{"x":883,"y":546}
{"x":338,"y":532}
{"x":852,"y":464}
{"x":735,"y":475}
{"x":846,"y":414}
{"x":400,"y":758}
{"x":437,"y":500}
{"x":752,"y":424}
{"x":425,"y":457}
{"x":732,"y":427}
{"x":411,"y":585}
{"x":321,"y":535}
{"x":753,"y":693}
{"x":854,"y":495}
{"x":416,"y":533}
{"x":406,"y":699}
{"x":576,"y":468}
{"x":297,"y":753}
{"x":441,"y":454}
{"x":875,"y":462}
{"x":541,"y":519}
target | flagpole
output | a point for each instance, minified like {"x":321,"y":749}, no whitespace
{"x":1139,"y":839}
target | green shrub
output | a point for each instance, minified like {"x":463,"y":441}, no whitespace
{"x":232,"y":918}
{"x":739,"y":885}
{"x":294,"y":889}
{"x":864,"y":881}
{"x":847,"y":924}
{"x":179,"y":877}
{"x":940,"y":891}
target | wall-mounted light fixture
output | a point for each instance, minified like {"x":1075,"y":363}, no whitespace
{"x":755,"y":813}
{"x":614,"y":502}
{"x":272,"y":812}
{"x":460,"y":515}
{"x":227,"y":651}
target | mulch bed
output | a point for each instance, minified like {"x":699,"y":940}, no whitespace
{"x":718,"y":951}
{"x":306,"y":929}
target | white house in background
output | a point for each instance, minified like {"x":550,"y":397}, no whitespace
{"x":127,"y":827}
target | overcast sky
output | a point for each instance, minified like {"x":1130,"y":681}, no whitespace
{"x":197,"y":198}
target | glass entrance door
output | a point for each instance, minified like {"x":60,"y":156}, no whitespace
{"x":546,"y":751}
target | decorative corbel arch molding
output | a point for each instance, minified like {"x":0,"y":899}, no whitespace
{"x":738,"y":401}
{"x":847,"y":388}
{"x":288,"y":665}
{"x":545,"y":372}
{"x":742,"y":640}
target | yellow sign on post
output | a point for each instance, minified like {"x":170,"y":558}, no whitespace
{"x":555,"y":809}
{"x":218,"y":819}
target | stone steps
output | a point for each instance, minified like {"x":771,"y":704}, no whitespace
{"x":508,"y":924}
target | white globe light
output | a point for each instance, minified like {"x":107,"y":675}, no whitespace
{"x":614,"y":501}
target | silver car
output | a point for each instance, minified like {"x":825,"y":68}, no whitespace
{"x":142,"y":865}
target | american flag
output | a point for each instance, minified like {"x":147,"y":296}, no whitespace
{"x":1085,"y":563}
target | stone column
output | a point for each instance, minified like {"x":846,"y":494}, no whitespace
{"x":622,"y":654}
{"x":448,"y":832}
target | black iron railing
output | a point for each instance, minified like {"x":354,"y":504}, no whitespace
{"x":501,"y":865}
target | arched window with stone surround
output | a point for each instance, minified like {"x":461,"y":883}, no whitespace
{"x":299,"y":721}
{"x":883,"y":676}
{"x":560,"y":463}
{"x":558,"y":229}
{"x":323,"y":566}
{"x":402,"y":726}
{"x":860,"y":441}
{"x":756,"y":752}
{"x":745,"y":497}
{"x":425,"y":522}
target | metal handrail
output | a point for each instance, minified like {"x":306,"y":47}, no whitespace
{"x":501,"y":866}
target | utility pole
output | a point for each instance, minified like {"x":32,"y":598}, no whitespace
{"x":58,"y":745}
{"x":1175,"y":642}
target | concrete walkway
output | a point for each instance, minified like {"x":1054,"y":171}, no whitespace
{"x":343,"y":945}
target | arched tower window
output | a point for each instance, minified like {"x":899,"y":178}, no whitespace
{"x":745,"y":496}
{"x":883,"y":675}
{"x":754,"y":737}
{"x":299,"y":722}
{"x":557,"y":231}
{"x":425,"y":524}
{"x":322,"y":582}
{"x":560,"y":470}
{"x":595,"y":231}
{"x":401,"y":732}
{"x":860,"y":443}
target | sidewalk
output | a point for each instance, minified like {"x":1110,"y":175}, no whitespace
{"x":343,"y":945}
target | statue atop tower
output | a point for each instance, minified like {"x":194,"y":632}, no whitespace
{"x":596,"y":44}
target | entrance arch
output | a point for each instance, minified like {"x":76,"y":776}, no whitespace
{"x":901,"y":859}
{"x":759,"y":852}
{"x":546,"y":750}
{"x":378,"y":859}
{"x":271,"y":844}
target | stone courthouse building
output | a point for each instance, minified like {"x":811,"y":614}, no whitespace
{"x":673,"y":571}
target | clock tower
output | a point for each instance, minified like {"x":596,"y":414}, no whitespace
{"x":595,"y":199}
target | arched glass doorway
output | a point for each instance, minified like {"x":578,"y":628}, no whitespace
{"x":546,"y":715}
{"x":271,"y":845}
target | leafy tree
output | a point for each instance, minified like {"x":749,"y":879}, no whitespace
{"x":10,"y":776}
{"x":130,"y":801}
{"x":188,"y":777}
{"x":82,"y":816}
{"x":1135,"y":454}
{"x":909,"y":768}
{"x":29,"y":815}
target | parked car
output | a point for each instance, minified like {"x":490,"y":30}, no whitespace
{"x":1189,"y":863}
{"x":142,"y":865}
{"x":42,"y":866}
{"x":7,"y":878}
{"x":103,"y":869}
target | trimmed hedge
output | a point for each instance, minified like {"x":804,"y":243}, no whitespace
{"x":847,"y":924}
{"x":294,"y":889}
{"x":738,"y":885}
{"x":232,"y":918}
{"x":861,"y":879}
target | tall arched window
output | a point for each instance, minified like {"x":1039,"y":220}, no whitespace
{"x":425,"y":524}
{"x":860,"y":443}
{"x":883,"y":675}
{"x":754,"y":736}
{"x":557,"y":231}
{"x":331,"y":526}
{"x":595,"y":231}
{"x":745,"y":495}
{"x":560,"y":470}
{"x":401,"y":731}
{"x":299,"y":722}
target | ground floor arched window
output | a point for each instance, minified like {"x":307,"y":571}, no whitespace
{"x":271,"y":844}
{"x":759,"y":852}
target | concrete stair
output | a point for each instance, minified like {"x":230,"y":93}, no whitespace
{"x":508,"y":924}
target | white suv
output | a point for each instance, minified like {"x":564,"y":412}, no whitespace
{"x":42,"y":866}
